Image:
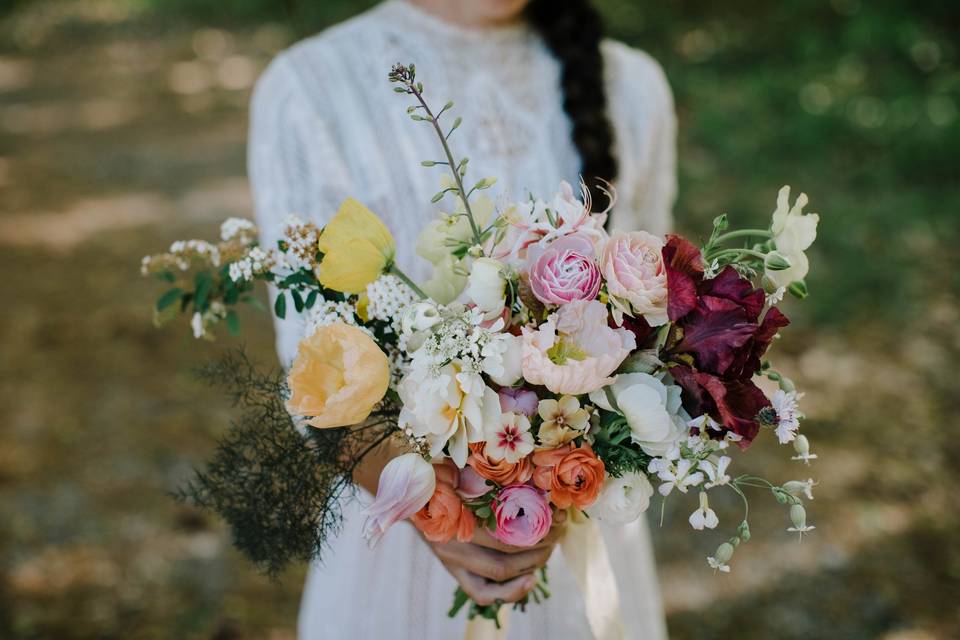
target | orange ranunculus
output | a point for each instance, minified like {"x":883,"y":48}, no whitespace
{"x":445,"y":516}
{"x":501,"y":472}
{"x":339,"y":376}
{"x":572,"y":475}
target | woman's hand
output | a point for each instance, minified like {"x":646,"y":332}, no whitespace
{"x":489,"y":570}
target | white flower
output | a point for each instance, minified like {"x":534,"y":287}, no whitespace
{"x":793,"y":233}
{"x":327,"y":312}
{"x":511,"y":440}
{"x":511,"y":360}
{"x":388,"y":297}
{"x":802,"y":446}
{"x":704,"y":516}
{"x":721,"y":557}
{"x":798,"y":488}
{"x":622,"y":500}
{"x":798,"y":515}
{"x":486,"y":286}
{"x":704,"y":422}
{"x":448,"y":280}
{"x":788,"y":416}
{"x":240,"y":228}
{"x":677,"y":476}
{"x":196,"y":323}
{"x":455,"y":410}
{"x":652,"y":410}
{"x":716,"y":472}
{"x":406,"y":484}
{"x":775,"y":297}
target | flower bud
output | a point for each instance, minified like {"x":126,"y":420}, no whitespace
{"x":798,"y":515}
{"x":744,"y":531}
{"x":724,"y":553}
{"x":787,"y":384}
{"x":798,"y":488}
{"x":801,"y":445}
{"x":798,"y":289}
{"x":776,"y":261}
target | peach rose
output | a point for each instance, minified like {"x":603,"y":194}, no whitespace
{"x":633,"y":267}
{"x":339,"y":376}
{"x":501,"y":472}
{"x":445,"y":516}
{"x":573,"y":475}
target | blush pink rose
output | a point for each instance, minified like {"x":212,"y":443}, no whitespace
{"x":632,"y":264}
{"x":565,"y":271}
{"x":523,"y":515}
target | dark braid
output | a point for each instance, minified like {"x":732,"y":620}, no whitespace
{"x":572,"y":30}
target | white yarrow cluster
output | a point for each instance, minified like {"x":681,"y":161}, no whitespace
{"x":327,"y":312}
{"x":183,"y":251}
{"x":301,"y":239}
{"x":256,"y":261}
{"x":387,"y":298}
{"x":238,"y":229}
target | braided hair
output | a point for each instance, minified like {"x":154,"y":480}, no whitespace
{"x":572,"y":30}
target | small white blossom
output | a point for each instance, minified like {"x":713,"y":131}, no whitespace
{"x":798,"y":515}
{"x":387,"y":298}
{"x":776,"y":296}
{"x":798,"y":488}
{"x":196,"y":323}
{"x":677,"y":476}
{"x":721,"y":557}
{"x":802,"y":446}
{"x":238,"y":228}
{"x":256,"y":262}
{"x":704,"y":516}
{"x":788,"y":415}
{"x":327,"y":312}
{"x":716,"y":473}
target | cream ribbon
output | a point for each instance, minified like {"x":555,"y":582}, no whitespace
{"x":586,"y":555}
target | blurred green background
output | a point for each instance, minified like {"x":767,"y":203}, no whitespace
{"x":122,"y":127}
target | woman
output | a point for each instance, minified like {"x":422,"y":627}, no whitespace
{"x":542,"y":100}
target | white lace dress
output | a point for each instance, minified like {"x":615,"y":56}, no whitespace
{"x":326,"y":124}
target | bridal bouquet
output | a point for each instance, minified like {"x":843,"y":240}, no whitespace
{"x":548,"y":365}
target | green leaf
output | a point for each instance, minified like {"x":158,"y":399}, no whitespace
{"x":312,"y":299}
{"x":297,"y":300}
{"x":280,"y":306}
{"x":169,"y":298}
{"x":233,"y":322}
{"x":460,"y":598}
{"x":204,"y":284}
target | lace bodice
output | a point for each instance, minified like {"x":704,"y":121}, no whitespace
{"x":326,"y":125}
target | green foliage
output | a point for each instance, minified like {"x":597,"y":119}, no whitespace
{"x":612,"y":444}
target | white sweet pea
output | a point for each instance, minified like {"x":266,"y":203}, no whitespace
{"x":704,"y":516}
{"x":486,"y":286}
{"x":622,"y":500}
{"x":793,"y":233}
{"x":798,"y":515}
{"x":652,"y":409}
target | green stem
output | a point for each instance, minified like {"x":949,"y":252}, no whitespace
{"x":395,"y":270}
{"x":736,"y":252}
{"x":454,"y":167}
{"x":742,"y":233}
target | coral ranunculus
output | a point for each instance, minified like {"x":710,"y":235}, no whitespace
{"x":523,"y":515}
{"x":500,"y":471}
{"x":338,"y":377}
{"x":357,"y":247}
{"x":573,"y":475}
{"x":445,"y":516}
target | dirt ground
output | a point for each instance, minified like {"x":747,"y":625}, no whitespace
{"x":118,"y":135}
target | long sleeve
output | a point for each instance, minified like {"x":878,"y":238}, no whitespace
{"x":642,"y":106}
{"x":294,"y":169}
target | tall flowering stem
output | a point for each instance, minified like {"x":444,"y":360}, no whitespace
{"x":406,"y":77}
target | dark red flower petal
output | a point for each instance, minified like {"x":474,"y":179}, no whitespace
{"x":735,"y":404}
{"x":747,"y":362}
{"x":684,"y":266}
{"x":729,"y":284}
{"x":714,"y":331}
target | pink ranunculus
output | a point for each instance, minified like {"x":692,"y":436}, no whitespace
{"x":472,"y":485}
{"x":523,"y":515}
{"x":575,"y":350}
{"x":406,"y":484}
{"x":520,"y":400}
{"x":564,"y":271}
{"x":632,"y":265}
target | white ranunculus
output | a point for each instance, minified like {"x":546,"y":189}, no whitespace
{"x":511,"y":361}
{"x":793,"y":233}
{"x":458,"y":414}
{"x":622,"y":500}
{"x":487,"y":287}
{"x":652,"y":410}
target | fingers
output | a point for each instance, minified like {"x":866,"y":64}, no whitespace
{"x":485,"y":593}
{"x":491,"y":564}
{"x":484,"y":538}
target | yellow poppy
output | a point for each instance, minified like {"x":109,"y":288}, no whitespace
{"x":357,"y":247}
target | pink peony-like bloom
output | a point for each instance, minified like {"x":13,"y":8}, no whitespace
{"x":523,"y":515}
{"x":565,"y":270}
{"x":406,"y":484}
{"x":575,"y":351}
{"x":632,"y":264}
{"x":518,"y":401}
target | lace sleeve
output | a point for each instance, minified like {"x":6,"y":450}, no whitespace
{"x":642,"y":106}
{"x":294,"y":169}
